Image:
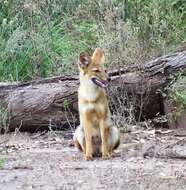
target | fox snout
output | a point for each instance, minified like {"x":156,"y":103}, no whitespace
{"x":99,"y":82}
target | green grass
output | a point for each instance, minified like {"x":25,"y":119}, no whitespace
{"x":182,"y":96}
{"x":44,"y":38}
{"x":2,"y":162}
{"x":177,"y":92}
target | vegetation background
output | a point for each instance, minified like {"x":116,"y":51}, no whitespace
{"x":42,"y":38}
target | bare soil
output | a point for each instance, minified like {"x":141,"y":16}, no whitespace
{"x":146,"y":159}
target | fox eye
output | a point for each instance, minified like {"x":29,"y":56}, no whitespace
{"x":95,"y":70}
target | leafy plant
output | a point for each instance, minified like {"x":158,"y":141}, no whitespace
{"x":177,"y":95}
{"x":44,"y":38}
{"x":1,"y":163}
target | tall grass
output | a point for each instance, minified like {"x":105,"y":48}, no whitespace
{"x":43,"y":38}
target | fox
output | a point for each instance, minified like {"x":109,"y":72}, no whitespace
{"x":96,"y":134}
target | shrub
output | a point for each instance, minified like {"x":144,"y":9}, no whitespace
{"x":44,"y":38}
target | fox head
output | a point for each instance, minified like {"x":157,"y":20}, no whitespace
{"x":93,"y":67}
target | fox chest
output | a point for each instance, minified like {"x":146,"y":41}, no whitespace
{"x":91,"y":108}
{"x":93,"y":111}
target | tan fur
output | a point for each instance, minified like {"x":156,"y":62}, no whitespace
{"x":95,"y":133}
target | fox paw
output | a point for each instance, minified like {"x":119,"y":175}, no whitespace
{"x":106,"y":156}
{"x":88,"y":157}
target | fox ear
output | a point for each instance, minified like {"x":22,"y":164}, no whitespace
{"x":84,"y":60}
{"x":98,"y":56}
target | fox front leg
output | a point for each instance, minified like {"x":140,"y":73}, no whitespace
{"x":87,"y":126}
{"x":104,"y":138}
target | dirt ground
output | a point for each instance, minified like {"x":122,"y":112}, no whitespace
{"x":146,"y":159}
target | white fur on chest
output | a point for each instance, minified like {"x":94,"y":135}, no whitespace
{"x":87,"y":89}
{"x":85,"y":107}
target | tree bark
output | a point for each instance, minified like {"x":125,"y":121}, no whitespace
{"x":52,"y":102}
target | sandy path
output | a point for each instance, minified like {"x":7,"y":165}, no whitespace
{"x":51,"y":162}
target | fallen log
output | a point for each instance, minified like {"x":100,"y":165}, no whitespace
{"x":52,"y":102}
{"x":40,"y":104}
